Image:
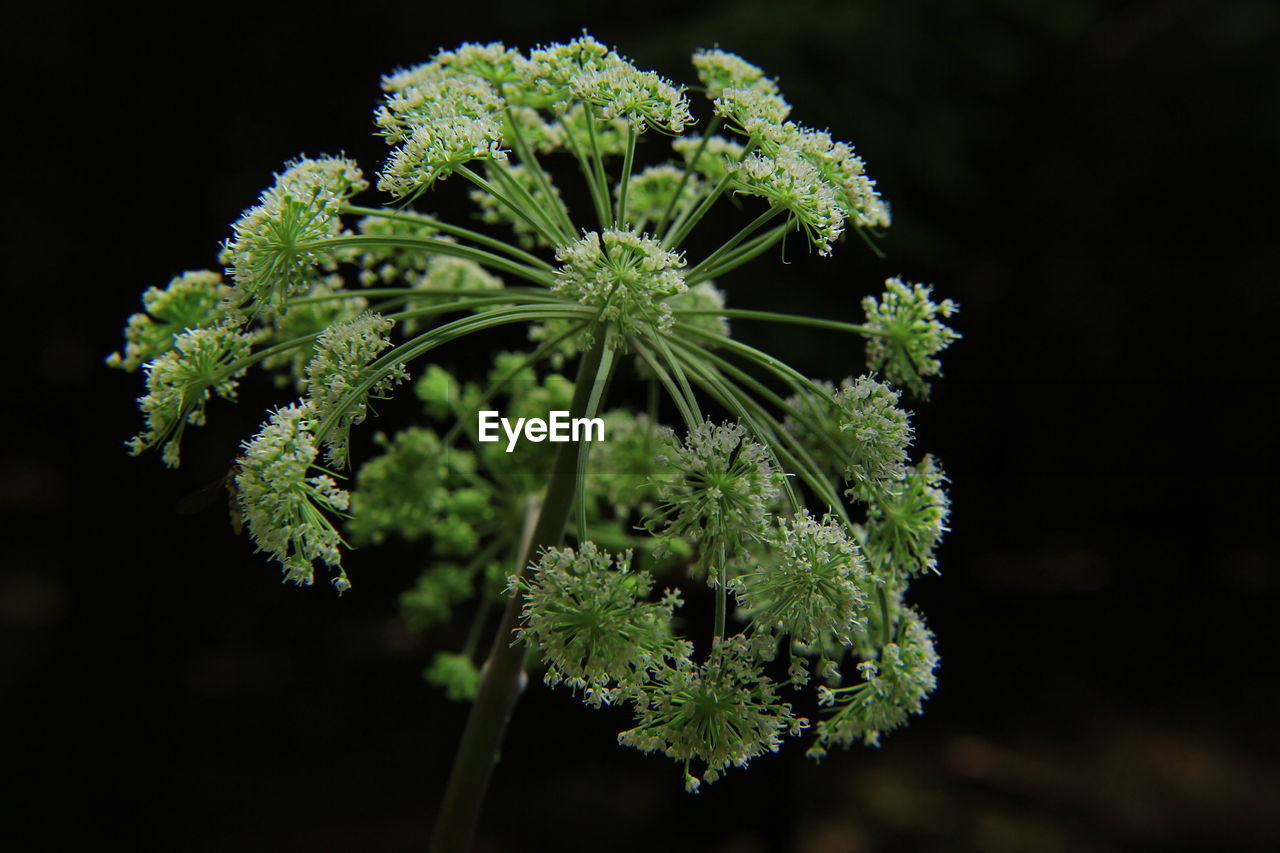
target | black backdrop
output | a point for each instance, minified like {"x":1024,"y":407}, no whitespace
{"x":1087,"y":179}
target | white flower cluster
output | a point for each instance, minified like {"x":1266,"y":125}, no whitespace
{"x":585,"y":70}
{"x":339,"y":384}
{"x":719,"y":70}
{"x":625,"y":275}
{"x":493,"y":62}
{"x":755,"y":113}
{"x":191,"y":300}
{"x":892,"y":689}
{"x":282,"y":506}
{"x":904,"y":526}
{"x":180,"y":382}
{"x":723,"y":712}
{"x":267,"y":254}
{"x":823,"y":181}
{"x":790,"y":182}
{"x":586,"y":612}
{"x":438,"y":119}
{"x":881,"y":432}
{"x":910,"y":335}
{"x":720,"y":486}
{"x":809,"y":586}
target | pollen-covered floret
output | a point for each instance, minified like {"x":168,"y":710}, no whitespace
{"x":282,"y":506}
{"x":719,"y":488}
{"x":722,"y":712}
{"x":438,"y":123}
{"x":789,"y":181}
{"x":180,"y":382}
{"x":625,"y":275}
{"x":904,"y":526}
{"x":191,"y":300}
{"x":719,"y":70}
{"x":809,"y":584}
{"x":269,"y":255}
{"x":893,"y":688}
{"x":908,"y":334}
{"x":339,"y":382}
{"x":586,"y":612}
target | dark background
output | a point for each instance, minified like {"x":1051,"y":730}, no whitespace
{"x":1089,"y":180}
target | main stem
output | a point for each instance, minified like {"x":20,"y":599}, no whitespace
{"x":503,"y":672}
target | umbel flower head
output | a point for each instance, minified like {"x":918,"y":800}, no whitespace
{"x":905,"y":526}
{"x":909,"y":334}
{"x":880,"y":433}
{"x":438,"y":120}
{"x":181,"y":380}
{"x":191,"y":301}
{"x":893,"y":688}
{"x":623,"y":274}
{"x":586,"y":612}
{"x":340,"y":380}
{"x":269,"y":254}
{"x":718,"y":490}
{"x":809,"y":585}
{"x":722,"y":712}
{"x":719,"y":70}
{"x":283,"y":504}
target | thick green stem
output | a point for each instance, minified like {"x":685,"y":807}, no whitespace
{"x":503,"y":673}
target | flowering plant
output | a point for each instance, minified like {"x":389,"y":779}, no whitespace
{"x":793,"y":499}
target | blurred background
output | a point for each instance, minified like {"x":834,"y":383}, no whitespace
{"x":1089,"y":180}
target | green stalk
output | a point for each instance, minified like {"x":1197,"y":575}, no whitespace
{"x":597,"y":158}
{"x":628,"y":161}
{"x":689,"y":169}
{"x":455,"y":230}
{"x":509,"y":180}
{"x":775,"y":317}
{"x":753,"y":249}
{"x":599,"y":195}
{"x":749,"y":229}
{"x":500,"y":684}
{"x":439,"y":247}
{"x":530,"y":160}
{"x":539,"y":226}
